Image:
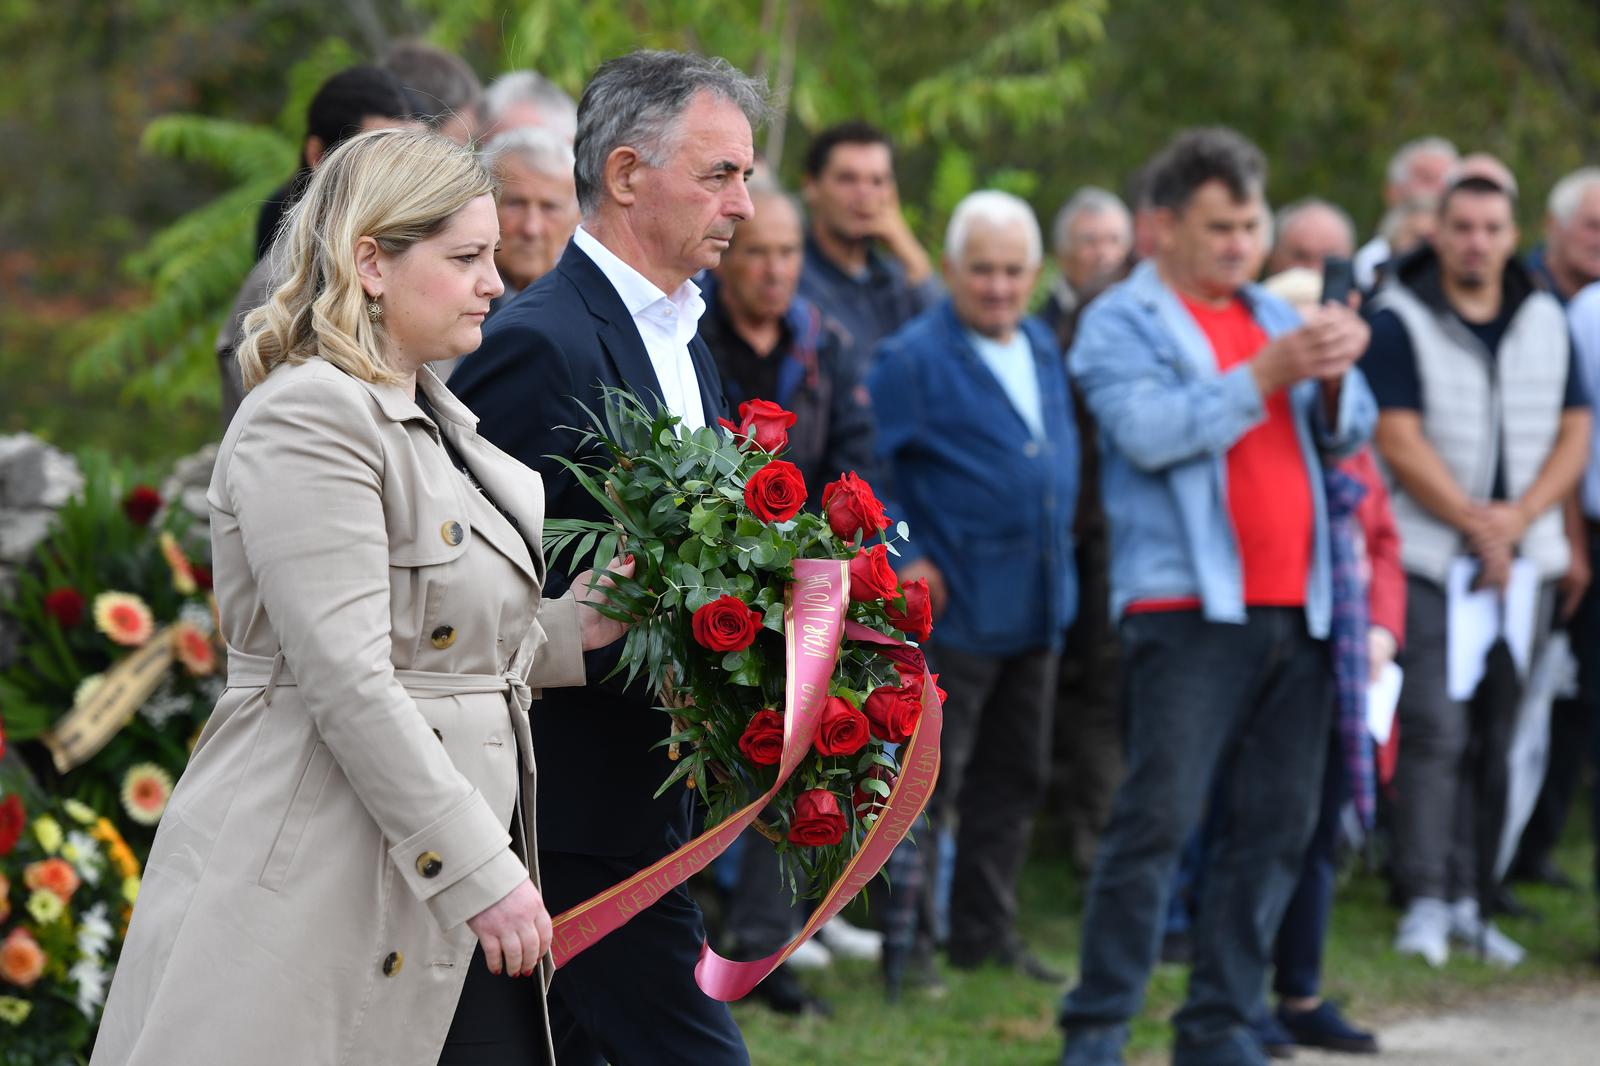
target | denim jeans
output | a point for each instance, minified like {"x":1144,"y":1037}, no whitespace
{"x":1252,"y":703}
{"x":1297,"y":959}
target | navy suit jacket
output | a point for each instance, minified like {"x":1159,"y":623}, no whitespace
{"x":543,"y":355}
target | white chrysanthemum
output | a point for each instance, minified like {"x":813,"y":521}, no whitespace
{"x":86,"y":688}
{"x":199,"y":616}
{"x":83,"y":852}
{"x":165,"y":704}
{"x":90,"y":977}
{"x":94,"y":932}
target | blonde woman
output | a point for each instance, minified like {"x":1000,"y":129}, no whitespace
{"x":342,"y":875}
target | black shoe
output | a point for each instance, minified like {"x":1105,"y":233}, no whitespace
{"x":1322,"y":1026}
{"x":781,"y":992}
{"x":1505,"y":902}
{"x":1177,"y":949}
{"x":1271,"y":1035}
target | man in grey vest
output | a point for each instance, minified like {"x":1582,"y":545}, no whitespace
{"x":1484,"y":426}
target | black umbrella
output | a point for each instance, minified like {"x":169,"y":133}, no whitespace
{"x":1494,"y":719}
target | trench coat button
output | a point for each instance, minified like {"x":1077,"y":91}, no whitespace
{"x":429,"y":864}
{"x":1031,"y":449}
{"x":392,"y":963}
{"x":452,"y":533}
{"x":443,"y":637}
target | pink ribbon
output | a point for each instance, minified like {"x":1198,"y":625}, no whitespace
{"x":814,"y":626}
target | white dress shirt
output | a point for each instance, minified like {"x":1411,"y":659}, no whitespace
{"x":665,"y":323}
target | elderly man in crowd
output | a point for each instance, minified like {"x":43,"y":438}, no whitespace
{"x":1418,"y":170}
{"x":663,"y":151}
{"x":1485,"y":427}
{"x":1309,"y":231}
{"x":1091,"y":237}
{"x":1569,"y":259}
{"x":976,"y":429}
{"x":1218,"y":409}
{"x":864,"y":267}
{"x":520,"y":98}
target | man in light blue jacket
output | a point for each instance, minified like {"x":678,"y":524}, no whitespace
{"x":1218,"y":409}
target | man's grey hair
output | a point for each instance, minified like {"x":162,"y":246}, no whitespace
{"x":530,"y":87}
{"x":543,"y":150}
{"x":1289,"y":212}
{"x":997,"y":209}
{"x":1089,"y":200}
{"x":1568,"y":193}
{"x":1399,"y":169}
{"x":636,"y":101}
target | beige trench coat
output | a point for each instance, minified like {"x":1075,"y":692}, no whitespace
{"x":307,"y":894}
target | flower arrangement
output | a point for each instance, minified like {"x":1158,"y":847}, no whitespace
{"x":117,"y":664}
{"x":716,"y":521}
{"x":68,"y":880}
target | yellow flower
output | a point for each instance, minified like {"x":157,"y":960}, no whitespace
{"x":45,"y":907}
{"x":79,"y":811}
{"x":124,"y":618}
{"x":145,"y":791}
{"x":122,"y":857}
{"x":130,"y":889}
{"x":48,"y":830}
{"x":182,"y":571}
{"x":13,"y":1010}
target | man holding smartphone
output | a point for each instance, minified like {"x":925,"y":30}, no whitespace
{"x":1218,"y":408}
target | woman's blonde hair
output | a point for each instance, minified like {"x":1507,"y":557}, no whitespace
{"x":397,"y":187}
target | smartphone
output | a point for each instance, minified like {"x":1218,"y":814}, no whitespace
{"x":1338,"y":279}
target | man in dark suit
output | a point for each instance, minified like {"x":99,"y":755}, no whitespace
{"x":662,"y":156}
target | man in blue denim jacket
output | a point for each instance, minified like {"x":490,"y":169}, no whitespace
{"x":1217,"y":410}
{"x":976,"y":431}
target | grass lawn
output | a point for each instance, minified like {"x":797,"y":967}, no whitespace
{"x":991,"y":1018}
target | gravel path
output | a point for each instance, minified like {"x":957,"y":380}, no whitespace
{"x":1561,"y":1032}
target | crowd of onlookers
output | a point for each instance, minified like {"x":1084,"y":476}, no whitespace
{"x":1175,"y":520}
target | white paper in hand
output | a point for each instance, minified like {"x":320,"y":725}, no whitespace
{"x":1383,"y":697}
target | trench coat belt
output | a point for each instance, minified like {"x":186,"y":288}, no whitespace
{"x":258,"y":671}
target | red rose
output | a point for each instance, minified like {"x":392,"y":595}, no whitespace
{"x":762,"y":740}
{"x":916,"y":617}
{"x":141,"y":504}
{"x":843,"y":729}
{"x":775,"y":492}
{"x":65,"y":605}
{"x":817,"y":820}
{"x":894,"y":712}
{"x":762,"y":423}
{"x":12,"y":820}
{"x":202,"y":575}
{"x":851,"y":508}
{"x":871,"y":576}
{"x":726,"y":624}
{"x":865,"y":800}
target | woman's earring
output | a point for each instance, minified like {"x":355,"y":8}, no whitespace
{"x":374,"y":309}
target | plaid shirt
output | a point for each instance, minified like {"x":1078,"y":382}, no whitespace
{"x":1348,"y":636}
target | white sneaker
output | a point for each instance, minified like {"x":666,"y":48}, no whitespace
{"x":1486,"y":940}
{"x":845,"y":941}
{"x":1425,"y":931}
{"x":812,"y":955}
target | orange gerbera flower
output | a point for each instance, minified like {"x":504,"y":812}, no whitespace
{"x":122,"y":857}
{"x":182,"y":570}
{"x":21,"y":958}
{"x":145,"y":791}
{"x":124,"y":618}
{"x":194,"y":649}
{"x":55,"y":876}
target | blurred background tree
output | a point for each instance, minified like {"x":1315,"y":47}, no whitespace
{"x":141,"y":135}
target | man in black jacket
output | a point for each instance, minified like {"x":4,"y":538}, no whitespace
{"x":663,"y":153}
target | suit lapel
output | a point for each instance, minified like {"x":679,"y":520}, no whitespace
{"x":614,"y":327}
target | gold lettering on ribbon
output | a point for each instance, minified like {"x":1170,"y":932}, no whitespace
{"x":91,"y":724}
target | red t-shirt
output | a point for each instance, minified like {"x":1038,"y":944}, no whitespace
{"x":1269,"y":496}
